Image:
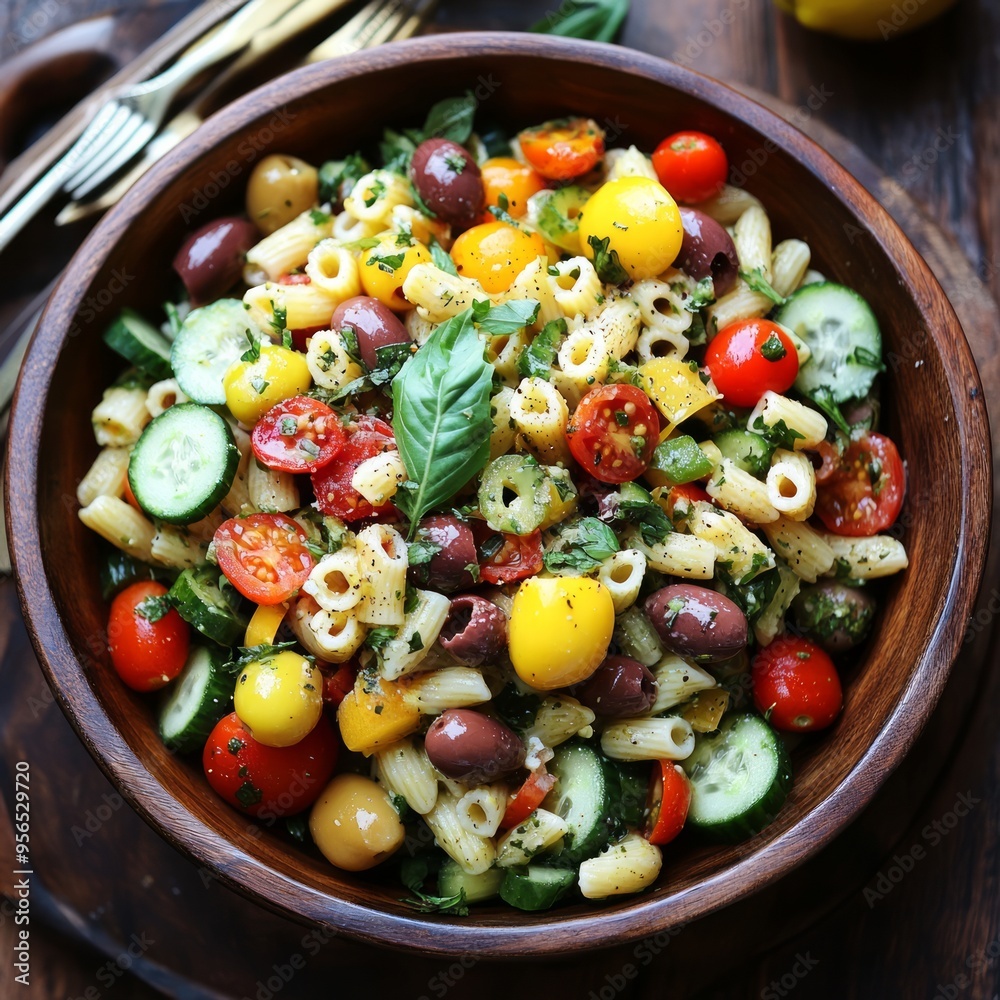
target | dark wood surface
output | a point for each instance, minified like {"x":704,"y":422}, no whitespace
{"x":938,"y":923}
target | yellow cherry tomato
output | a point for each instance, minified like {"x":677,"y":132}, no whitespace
{"x":354,"y":824}
{"x":516,"y":181}
{"x":384,"y":269}
{"x":253,"y":387}
{"x":677,"y":389}
{"x":263,"y":626}
{"x":641,"y":222}
{"x":279,"y":698}
{"x":560,"y":628}
{"x":495,"y":253}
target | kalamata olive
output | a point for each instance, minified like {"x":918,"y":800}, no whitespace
{"x":454,"y":551}
{"x":211,"y":258}
{"x":836,"y":616}
{"x":474,"y":631}
{"x":707,"y":251}
{"x":697,"y":622}
{"x":620,"y":687}
{"x":375,"y":325}
{"x":448,"y":180}
{"x":472,"y":747}
{"x":863,"y":411}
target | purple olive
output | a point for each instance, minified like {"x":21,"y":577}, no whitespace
{"x":452,"y":551}
{"x":620,"y":687}
{"x":211,"y":259}
{"x":375,"y":325}
{"x":449,"y":182}
{"x":697,"y":622}
{"x":707,"y":251}
{"x":474,"y":631}
{"x":472,"y":747}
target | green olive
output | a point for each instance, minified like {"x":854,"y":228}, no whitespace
{"x":354,"y":823}
{"x":279,"y":189}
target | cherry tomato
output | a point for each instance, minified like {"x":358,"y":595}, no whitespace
{"x":795,"y":685}
{"x":829,"y":455}
{"x":268,"y":781}
{"x":692,"y":166}
{"x":146,"y":654}
{"x":564,"y":148}
{"x":613,"y":432}
{"x":749,"y":357}
{"x":504,"y":558}
{"x":339,"y":683}
{"x":681,"y":498}
{"x":366,"y":438}
{"x":527,"y":798}
{"x":507,"y":177}
{"x":130,"y":498}
{"x":668,"y":802}
{"x":298,"y":435}
{"x":264,"y":556}
{"x":864,"y":494}
{"x":495,"y":253}
{"x":294,"y":279}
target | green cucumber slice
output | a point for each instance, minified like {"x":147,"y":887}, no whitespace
{"x":740,"y":776}
{"x":183,"y":463}
{"x":748,"y":451}
{"x":202,"y":603}
{"x":583,"y":797}
{"x":140,"y":344}
{"x":477,"y":888}
{"x":535,"y":887}
{"x":200,"y":697}
{"x":843,"y":335}
{"x":119,"y":570}
{"x":209,"y":341}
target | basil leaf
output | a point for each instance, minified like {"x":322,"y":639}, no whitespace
{"x":703,"y":295}
{"x":396,"y":151}
{"x":334,"y":173}
{"x":606,"y":263}
{"x":598,"y":20}
{"x":442,"y":259}
{"x":756,"y":282}
{"x":154,"y":608}
{"x":441,"y":402}
{"x":507,"y":318}
{"x":451,"y":119}
{"x":535,"y":361}
{"x":585,"y":545}
{"x":822,"y":396}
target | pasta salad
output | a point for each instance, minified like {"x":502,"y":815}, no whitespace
{"x":496,"y":514}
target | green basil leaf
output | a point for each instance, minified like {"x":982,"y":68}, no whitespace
{"x":606,"y":263}
{"x":334,"y":173}
{"x":441,"y":402}
{"x":442,"y":259}
{"x":585,"y":544}
{"x":756,"y":282}
{"x":451,"y":119}
{"x":598,"y":20}
{"x":535,"y":361}
{"x":507,"y":318}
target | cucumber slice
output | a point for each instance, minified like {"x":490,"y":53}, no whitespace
{"x":583,"y":797}
{"x":749,"y":452}
{"x":140,"y":344}
{"x":535,"y":887}
{"x":201,"y":696}
{"x":631,"y":791}
{"x":210,"y":340}
{"x":843,"y":336}
{"x":558,"y":219}
{"x":119,"y":569}
{"x":183,"y":463}
{"x":477,"y":888}
{"x":202,"y":603}
{"x":740,"y":776}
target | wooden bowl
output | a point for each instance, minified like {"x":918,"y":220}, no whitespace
{"x":935,"y":411}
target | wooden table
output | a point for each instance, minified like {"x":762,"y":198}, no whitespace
{"x":907,"y":902}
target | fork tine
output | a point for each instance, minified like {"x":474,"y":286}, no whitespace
{"x":355,"y":34}
{"x":114,"y":140}
{"x":123,"y":155}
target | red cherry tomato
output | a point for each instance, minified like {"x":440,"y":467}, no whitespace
{"x":366,"y":438}
{"x":613,"y":433}
{"x":829,"y":455}
{"x":298,"y":435}
{"x":749,"y":357}
{"x":338,"y":684}
{"x":668,"y":802}
{"x":146,"y":654}
{"x":527,"y":798}
{"x":294,"y":279}
{"x":692,"y":166}
{"x":562,"y":149}
{"x":681,"y":498}
{"x":795,"y":685}
{"x":268,"y":782}
{"x":864,"y":494}
{"x":264,"y":556}
{"x":504,"y":558}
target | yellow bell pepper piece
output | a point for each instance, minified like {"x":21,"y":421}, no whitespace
{"x":264,"y":624}
{"x":865,"y":20}
{"x":375,"y":714}
{"x":677,"y":389}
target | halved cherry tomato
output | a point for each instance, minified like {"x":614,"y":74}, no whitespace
{"x":564,"y":148}
{"x":339,"y":683}
{"x":504,"y":558}
{"x":264,"y":556}
{"x":681,"y":498}
{"x":298,"y":435}
{"x":692,"y":166}
{"x":366,"y":438}
{"x":795,"y":685}
{"x":527,"y":798}
{"x":146,"y":654}
{"x":130,"y":498}
{"x":829,"y":455}
{"x":668,"y":802}
{"x":864,"y":495}
{"x":268,"y":781}
{"x":613,"y":432}
{"x":749,"y":357}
